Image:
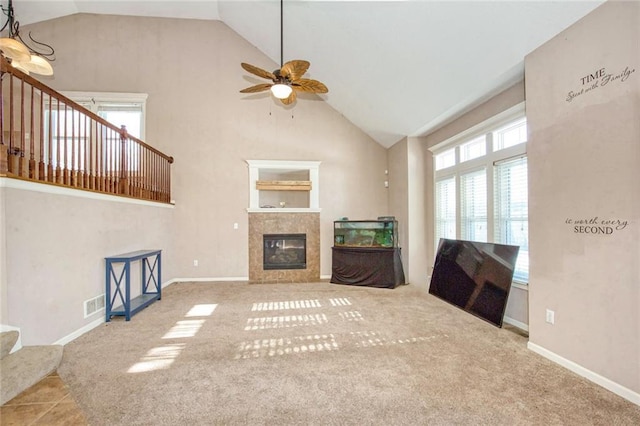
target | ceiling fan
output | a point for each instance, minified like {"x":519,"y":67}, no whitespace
{"x":287,"y":80}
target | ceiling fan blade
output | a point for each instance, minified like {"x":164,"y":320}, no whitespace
{"x":257,"y":88}
{"x":309,"y":86}
{"x":258,"y":71}
{"x":295,"y":69}
{"x":291,"y":99}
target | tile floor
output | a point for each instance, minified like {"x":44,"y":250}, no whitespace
{"x":48,"y":402}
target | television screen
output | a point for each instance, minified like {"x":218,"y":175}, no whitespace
{"x":474,"y":276}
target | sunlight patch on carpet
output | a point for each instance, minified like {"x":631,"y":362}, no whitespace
{"x":351,"y":316}
{"x":204,"y":310}
{"x":340,"y":301}
{"x":282,"y":306}
{"x":159,"y":358}
{"x":286,"y":346}
{"x":367,"y":339}
{"x":184,"y":328}
{"x":285,"y":321}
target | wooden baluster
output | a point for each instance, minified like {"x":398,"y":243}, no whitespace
{"x":4,"y":149}
{"x":133,"y":161}
{"x":65,"y":147}
{"x":152,"y":180}
{"x":139,"y":171}
{"x":58,"y":152}
{"x":103,"y":156}
{"x":81,"y":151}
{"x":107,"y":155}
{"x":41,"y":163}
{"x":92,"y":184}
{"x":163,"y":163}
{"x":73,"y":181}
{"x":113,"y":149}
{"x":123,"y":184}
{"x":156,"y":176}
{"x":50,"y":175}
{"x":32,"y":146}
{"x":11,"y":168}
{"x":98,"y":157}
{"x":87,"y":152}
{"x":147,"y":173}
{"x":22,"y":172}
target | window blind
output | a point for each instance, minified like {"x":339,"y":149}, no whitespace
{"x":445,"y":201}
{"x":473,"y":206}
{"x":511,"y":210}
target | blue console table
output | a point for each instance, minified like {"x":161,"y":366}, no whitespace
{"x":121,"y":287}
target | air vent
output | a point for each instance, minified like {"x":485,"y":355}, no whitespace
{"x":94,"y":305}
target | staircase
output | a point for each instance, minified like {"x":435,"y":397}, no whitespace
{"x":25,"y":367}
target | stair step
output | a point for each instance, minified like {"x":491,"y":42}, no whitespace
{"x":8,"y":340}
{"x":26,"y":367}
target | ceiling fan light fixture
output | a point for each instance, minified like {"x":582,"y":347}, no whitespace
{"x":281,"y":91}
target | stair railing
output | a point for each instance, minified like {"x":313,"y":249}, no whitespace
{"x":46,"y":137}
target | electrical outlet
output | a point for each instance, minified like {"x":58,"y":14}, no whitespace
{"x":551,"y":316}
{"x":235,"y":225}
{"x":195,"y":262}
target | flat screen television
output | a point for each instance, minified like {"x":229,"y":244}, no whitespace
{"x":474,"y":276}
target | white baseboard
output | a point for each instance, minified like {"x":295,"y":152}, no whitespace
{"x":93,"y":324}
{"x":203,"y":280}
{"x":608,"y":384}
{"x":516,"y":323}
{"x":73,"y":336}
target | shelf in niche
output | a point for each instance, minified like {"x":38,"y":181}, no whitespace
{"x":285,"y":210}
{"x":275,"y":182}
{"x":283,"y":185}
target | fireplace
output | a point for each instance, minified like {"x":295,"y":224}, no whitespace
{"x":284,"y":223}
{"x":284,"y":251}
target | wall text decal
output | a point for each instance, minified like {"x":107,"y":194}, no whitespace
{"x":599,"y":78}
{"x":595,"y":225}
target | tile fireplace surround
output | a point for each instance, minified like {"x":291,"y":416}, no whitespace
{"x":284,"y":223}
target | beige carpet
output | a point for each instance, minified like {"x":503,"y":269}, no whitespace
{"x":321,"y":354}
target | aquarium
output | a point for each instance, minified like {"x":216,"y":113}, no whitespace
{"x":365,"y":233}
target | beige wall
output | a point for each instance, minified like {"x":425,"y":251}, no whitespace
{"x":407,"y":202}
{"x":4,"y":307}
{"x":56,"y":245}
{"x":191,"y":71}
{"x":399,"y":197}
{"x":517,"y":305}
{"x":584,"y":158}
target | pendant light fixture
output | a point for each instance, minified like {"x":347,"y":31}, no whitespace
{"x":22,"y":56}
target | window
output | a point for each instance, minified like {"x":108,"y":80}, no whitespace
{"x":510,"y":135}
{"x":446,"y":159}
{"x":70,"y":130}
{"x":119,"y":109}
{"x":511,"y":212}
{"x":446,"y":208}
{"x":473,"y":206}
{"x":481,"y":186}
{"x":473,"y":149}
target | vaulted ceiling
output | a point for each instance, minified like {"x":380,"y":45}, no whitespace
{"x":393,"y":68}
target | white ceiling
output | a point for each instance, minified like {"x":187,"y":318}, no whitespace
{"x":393,"y":68}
